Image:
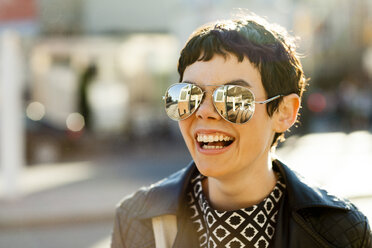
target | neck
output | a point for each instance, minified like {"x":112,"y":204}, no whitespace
{"x":242,"y":190}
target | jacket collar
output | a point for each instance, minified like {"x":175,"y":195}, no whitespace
{"x":167,"y":195}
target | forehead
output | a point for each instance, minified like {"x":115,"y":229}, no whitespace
{"x":220,"y":70}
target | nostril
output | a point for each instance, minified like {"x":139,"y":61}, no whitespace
{"x":207,"y":110}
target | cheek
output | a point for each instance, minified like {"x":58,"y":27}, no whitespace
{"x":261,"y":119}
{"x":257,"y":133}
{"x":185,"y":128}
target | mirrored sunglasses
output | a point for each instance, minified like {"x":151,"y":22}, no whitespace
{"x":234,"y":103}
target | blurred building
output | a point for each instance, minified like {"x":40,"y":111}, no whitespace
{"x":99,"y":68}
{"x":20,"y":15}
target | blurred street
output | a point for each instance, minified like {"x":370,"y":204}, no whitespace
{"x":82,"y":123}
{"x":74,"y":205}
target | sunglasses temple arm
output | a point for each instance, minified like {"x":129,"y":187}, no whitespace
{"x":270,"y":99}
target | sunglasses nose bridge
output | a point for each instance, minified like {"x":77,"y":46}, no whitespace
{"x":206,"y":109}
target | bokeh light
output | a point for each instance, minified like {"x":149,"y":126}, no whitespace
{"x":35,"y":111}
{"x":75,"y":122}
{"x":316,"y":102}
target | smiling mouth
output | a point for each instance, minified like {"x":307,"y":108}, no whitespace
{"x":214,"y":141}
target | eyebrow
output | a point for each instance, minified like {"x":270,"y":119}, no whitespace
{"x":240,"y":82}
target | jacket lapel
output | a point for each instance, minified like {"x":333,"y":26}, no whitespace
{"x":165,"y":197}
{"x":292,"y":230}
{"x":281,"y":230}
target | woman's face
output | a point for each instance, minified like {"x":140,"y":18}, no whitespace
{"x":251,"y":141}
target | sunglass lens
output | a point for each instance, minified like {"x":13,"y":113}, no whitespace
{"x":234,"y":103}
{"x":181,"y":100}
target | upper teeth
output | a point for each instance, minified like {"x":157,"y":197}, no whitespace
{"x":213,"y":137}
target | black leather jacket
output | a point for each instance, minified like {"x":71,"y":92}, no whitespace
{"x":308,"y":216}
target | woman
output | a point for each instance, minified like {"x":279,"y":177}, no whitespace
{"x":240,"y":89}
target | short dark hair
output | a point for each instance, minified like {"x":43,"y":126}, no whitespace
{"x":267,"y":46}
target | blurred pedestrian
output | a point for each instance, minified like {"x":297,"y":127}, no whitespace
{"x":240,"y":89}
{"x":87,"y":77}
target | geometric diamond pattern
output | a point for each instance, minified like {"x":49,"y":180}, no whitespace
{"x":235,"y":243}
{"x":221,"y":232}
{"x":249,"y":232}
{"x":203,"y":240}
{"x":212,"y":244}
{"x":260,"y":218}
{"x":235,"y":220}
{"x":194,"y":211}
{"x":274,"y":217}
{"x":210,"y":219}
{"x":197,"y":188}
{"x":198,"y":225}
{"x":269,"y":205}
{"x":253,"y":226}
{"x":269,"y":231}
{"x":261,"y":243}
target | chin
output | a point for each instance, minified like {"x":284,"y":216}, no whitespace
{"x":211,"y":168}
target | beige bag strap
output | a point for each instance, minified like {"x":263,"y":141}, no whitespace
{"x":165,"y":230}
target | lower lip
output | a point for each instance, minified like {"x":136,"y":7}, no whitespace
{"x":212,"y":151}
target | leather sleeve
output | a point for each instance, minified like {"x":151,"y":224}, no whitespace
{"x":367,"y":242}
{"x":340,"y":228}
{"x":116,"y":238}
{"x":130,"y":231}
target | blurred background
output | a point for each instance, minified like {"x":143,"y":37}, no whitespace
{"x":82,"y":121}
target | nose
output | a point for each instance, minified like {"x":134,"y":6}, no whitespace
{"x":206,"y":110}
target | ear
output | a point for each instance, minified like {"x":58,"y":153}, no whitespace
{"x":286,"y":114}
